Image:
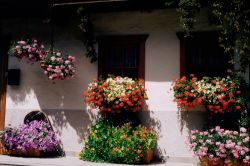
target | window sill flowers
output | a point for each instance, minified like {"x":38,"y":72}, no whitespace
{"x":58,"y":66}
{"x":30,"y":139}
{"x":30,"y":50}
{"x":217,"y":145}
{"x":116,"y":94}
{"x":216,"y":94}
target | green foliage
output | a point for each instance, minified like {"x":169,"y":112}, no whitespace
{"x":86,"y":27}
{"x":117,"y":144}
{"x":232,"y":17}
{"x":188,"y":10}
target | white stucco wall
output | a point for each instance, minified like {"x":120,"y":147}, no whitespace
{"x":63,"y":101}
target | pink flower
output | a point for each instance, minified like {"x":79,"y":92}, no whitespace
{"x":217,"y":128}
{"x":243,"y":130}
{"x":67,"y":62}
{"x":21,"y":42}
{"x":53,"y":58}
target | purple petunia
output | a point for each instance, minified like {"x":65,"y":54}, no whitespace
{"x":34,"y":135}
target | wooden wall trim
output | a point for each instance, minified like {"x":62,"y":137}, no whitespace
{"x":4,"y":43}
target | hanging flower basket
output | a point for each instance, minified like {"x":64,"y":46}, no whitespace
{"x":116,"y":95}
{"x":29,"y":50}
{"x":58,"y":66}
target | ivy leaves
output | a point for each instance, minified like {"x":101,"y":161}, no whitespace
{"x":86,"y":27}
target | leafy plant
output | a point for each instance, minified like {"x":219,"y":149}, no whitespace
{"x":231,"y":17}
{"x":123,"y":143}
{"x":86,"y":27}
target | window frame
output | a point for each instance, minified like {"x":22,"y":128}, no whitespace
{"x":127,"y":39}
{"x":183,"y":48}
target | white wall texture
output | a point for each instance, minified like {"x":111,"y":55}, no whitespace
{"x":63,"y":101}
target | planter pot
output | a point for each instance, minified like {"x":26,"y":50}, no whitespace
{"x":233,"y":163}
{"x":204,"y":161}
{"x":3,"y":150}
{"x":244,"y":164}
{"x":148,"y":156}
{"x":219,"y":162}
{"x":29,"y":153}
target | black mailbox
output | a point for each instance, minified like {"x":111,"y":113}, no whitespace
{"x":13,"y":76}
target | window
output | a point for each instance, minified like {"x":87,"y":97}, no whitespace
{"x":122,"y":56}
{"x":201,"y":55}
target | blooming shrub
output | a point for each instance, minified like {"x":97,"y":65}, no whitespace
{"x":218,"y":143}
{"x":217,"y":94}
{"x":58,"y":66}
{"x":117,"y":144}
{"x":34,"y":135}
{"x":116,"y":94}
{"x":30,"y":50}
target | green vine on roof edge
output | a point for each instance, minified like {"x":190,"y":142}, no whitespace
{"x":232,"y":18}
{"x":86,"y":27}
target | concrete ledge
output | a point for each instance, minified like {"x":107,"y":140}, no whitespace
{"x":67,"y":161}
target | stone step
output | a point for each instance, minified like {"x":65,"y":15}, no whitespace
{"x":68,"y":161}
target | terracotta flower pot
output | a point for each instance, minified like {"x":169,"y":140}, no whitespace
{"x":244,"y":164}
{"x":204,"y":161}
{"x":3,"y":150}
{"x":232,"y":163}
{"x":148,"y":156}
{"x":219,"y":162}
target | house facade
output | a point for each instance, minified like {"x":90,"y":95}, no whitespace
{"x":62,"y":101}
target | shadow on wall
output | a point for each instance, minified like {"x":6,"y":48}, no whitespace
{"x":193,"y":119}
{"x":148,"y":119}
{"x":77,"y":119}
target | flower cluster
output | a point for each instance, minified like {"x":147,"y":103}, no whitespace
{"x":58,"y":66}
{"x":218,"y":143}
{"x":217,"y":94}
{"x":185,"y":92}
{"x":30,"y":50}
{"x":34,"y":135}
{"x":117,"y":144}
{"x":116,"y":94}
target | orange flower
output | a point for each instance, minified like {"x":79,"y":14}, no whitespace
{"x":231,"y":94}
{"x":238,"y":107}
{"x":214,"y":82}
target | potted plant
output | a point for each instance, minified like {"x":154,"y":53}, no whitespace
{"x":58,"y":66}
{"x":32,"y":139}
{"x":123,"y":143}
{"x":218,"y":146}
{"x":116,"y":95}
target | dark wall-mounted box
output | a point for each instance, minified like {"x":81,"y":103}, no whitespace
{"x":14,"y":76}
